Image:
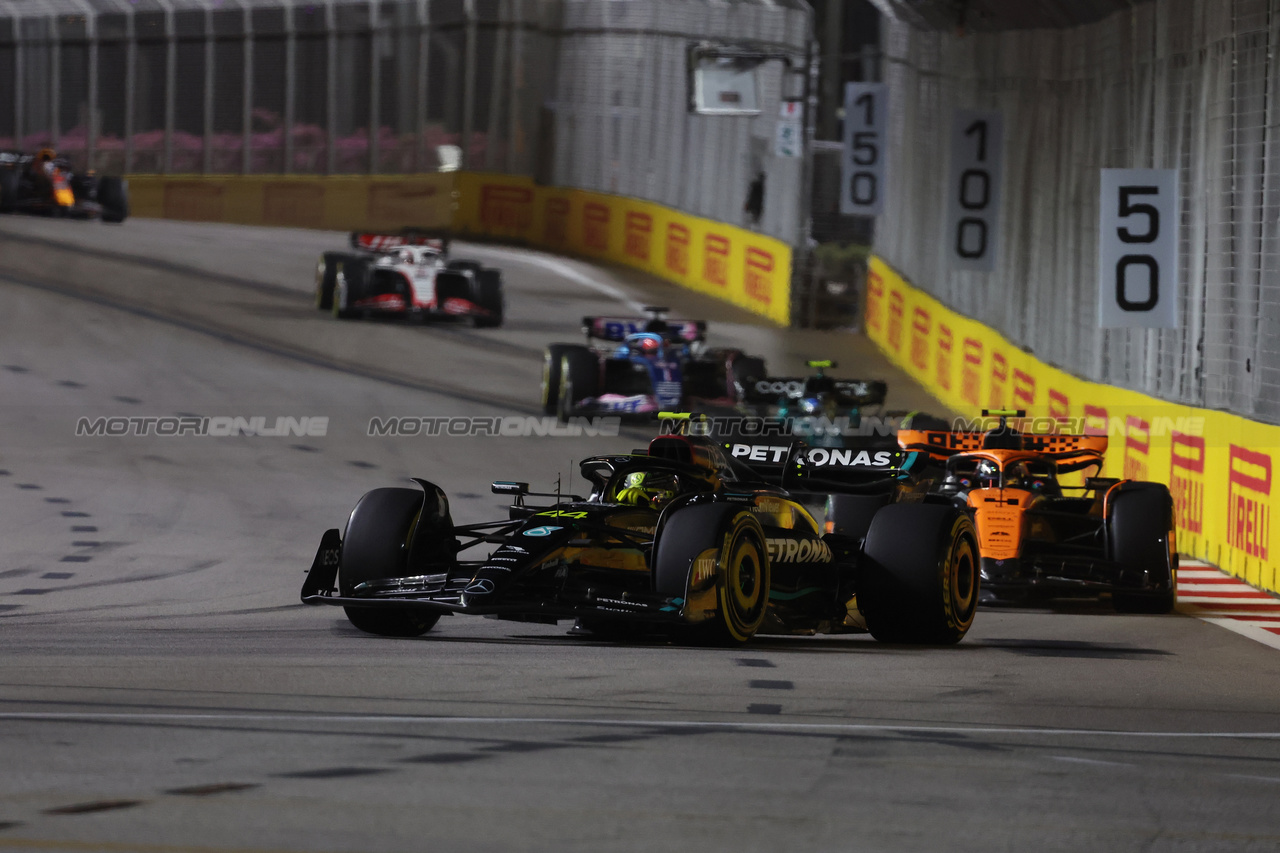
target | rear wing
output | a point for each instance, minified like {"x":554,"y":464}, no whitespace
{"x":617,"y":328}
{"x":1071,"y":452}
{"x":848,"y":392}
{"x":374,"y":242}
{"x":867,"y":468}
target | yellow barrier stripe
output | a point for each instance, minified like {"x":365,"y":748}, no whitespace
{"x":738,"y":266}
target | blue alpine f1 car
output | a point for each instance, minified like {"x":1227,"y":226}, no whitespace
{"x":640,"y":366}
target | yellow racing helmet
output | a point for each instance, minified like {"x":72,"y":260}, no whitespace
{"x":642,"y":488}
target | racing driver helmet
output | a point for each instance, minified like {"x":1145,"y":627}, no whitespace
{"x":645,"y":344}
{"x":646,"y":488}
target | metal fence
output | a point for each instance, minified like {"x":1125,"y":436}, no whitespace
{"x":1185,"y":84}
{"x":579,"y":93}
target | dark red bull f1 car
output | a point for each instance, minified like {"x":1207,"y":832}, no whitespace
{"x":45,"y":184}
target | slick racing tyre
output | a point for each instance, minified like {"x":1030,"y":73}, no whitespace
{"x":9,"y":180}
{"x":327,"y":278}
{"x":489,"y":297}
{"x":551,"y":364}
{"x":1140,"y":537}
{"x":374,"y":549}
{"x":918,"y":577}
{"x":345,"y":291}
{"x":741,"y":574}
{"x":579,"y":376}
{"x":113,"y":195}
{"x":746,"y":370}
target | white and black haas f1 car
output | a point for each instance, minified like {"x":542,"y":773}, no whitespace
{"x":45,"y":184}
{"x":682,"y":538}
{"x":407,"y":275}
{"x":637,"y":367}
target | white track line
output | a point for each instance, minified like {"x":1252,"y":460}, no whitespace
{"x":732,"y":725}
{"x":1221,"y":599}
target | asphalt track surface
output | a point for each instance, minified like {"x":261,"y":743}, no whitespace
{"x":161,"y":688}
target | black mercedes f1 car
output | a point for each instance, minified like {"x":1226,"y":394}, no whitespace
{"x":45,"y":184}
{"x":688,"y":537}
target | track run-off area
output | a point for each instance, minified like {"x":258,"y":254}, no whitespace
{"x":162,"y":689}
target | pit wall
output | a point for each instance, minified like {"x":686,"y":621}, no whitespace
{"x":739,"y":266}
{"x":1218,"y":465}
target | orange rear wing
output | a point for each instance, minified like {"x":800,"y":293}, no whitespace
{"x":1071,"y":452}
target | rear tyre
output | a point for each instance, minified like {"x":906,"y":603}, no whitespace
{"x":579,"y":376}
{"x":919,"y":575}
{"x":113,"y":195}
{"x":746,"y":370}
{"x":1141,"y":536}
{"x":489,"y":296}
{"x":375,"y":548}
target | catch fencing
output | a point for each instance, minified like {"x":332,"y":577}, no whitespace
{"x":1183,"y":84}
{"x":588,"y":94}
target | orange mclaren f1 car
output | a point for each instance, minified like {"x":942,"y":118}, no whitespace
{"x":1041,"y":538}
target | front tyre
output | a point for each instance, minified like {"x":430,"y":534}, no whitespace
{"x":375,"y":548}
{"x":342,"y":297}
{"x":737,"y":581}
{"x":113,"y":196}
{"x":742,"y":583}
{"x":9,"y":182}
{"x":551,"y":357}
{"x":579,"y":378}
{"x":918,"y":579}
{"x":326,"y":279}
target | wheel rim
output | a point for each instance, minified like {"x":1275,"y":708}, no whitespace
{"x":744,"y":586}
{"x":745,"y":579}
{"x":963,"y":587}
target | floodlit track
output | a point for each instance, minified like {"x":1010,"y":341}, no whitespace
{"x":162,"y":689}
